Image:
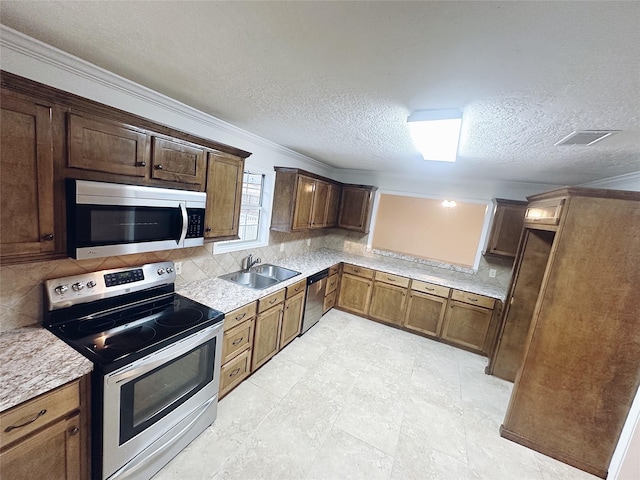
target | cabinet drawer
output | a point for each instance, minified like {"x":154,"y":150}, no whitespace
{"x":359,"y":271}
{"x":329,"y":301}
{"x":234,"y":372}
{"x":237,"y":339}
{"x":271,"y":300}
{"x":334,"y":269}
{"x":473,"y":299}
{"x":332,"y":283}
{"x":39,"y":412}
{"x":296,"y":288}
{"x":239,"y":315}
{"x":430,"y":288}
{"x":392,"y":279}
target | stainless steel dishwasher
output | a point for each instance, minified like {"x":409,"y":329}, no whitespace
{"x":314,"y":303}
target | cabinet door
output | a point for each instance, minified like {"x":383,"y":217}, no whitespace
{"x":355,"y":208}
{"x":291,"y":318}
{"x":506,"y":229}
{"x":318,"y":215}
{"x":266,"y":336}
{"x":425,"y":313}
{"x":355,"y":294}
{"x":224,"y":195}
{"x":466,"y":325}
{"x":333,"y":202}
{"x":175,"y":161}
{"x":304,"y":203}
{"x":26,"y":178}
{"x":387,"y":303}
{"x":105,"y":146}
{"x":52,"y":453}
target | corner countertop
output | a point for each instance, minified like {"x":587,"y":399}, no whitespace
{"x":227,"y":296}
{"x":33,"y":361}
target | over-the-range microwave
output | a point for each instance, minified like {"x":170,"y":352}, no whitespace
{"x":106,"y":219}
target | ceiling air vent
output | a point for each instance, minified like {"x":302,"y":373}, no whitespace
{"x":585,"y":137}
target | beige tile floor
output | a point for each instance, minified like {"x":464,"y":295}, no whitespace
{"x":354,"y":399}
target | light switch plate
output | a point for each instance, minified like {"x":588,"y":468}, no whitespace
{"x":282,"y":247}
{"x":492,"y":273}
{"x":308,"y":242}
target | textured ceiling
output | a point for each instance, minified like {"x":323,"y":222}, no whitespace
{"x":336,"y":80}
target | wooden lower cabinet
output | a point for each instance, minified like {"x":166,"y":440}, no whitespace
{"x":291,"y":319}
{"x":425,"y":313}
{"x":387,"y":303}
{"x":266,"y":341}
{"x":467,"y":326}
{"x":355,"y":294}
{"x":234,"y":372}
{"x":50,"y":436}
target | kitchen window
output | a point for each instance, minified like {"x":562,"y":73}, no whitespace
{"x":255,"y":212}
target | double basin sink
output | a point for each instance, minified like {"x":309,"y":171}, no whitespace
{"x":262,"y":276}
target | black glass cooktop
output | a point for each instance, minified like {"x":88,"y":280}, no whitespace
{"x":114,"y":336}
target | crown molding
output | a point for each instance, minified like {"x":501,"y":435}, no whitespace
{"x":629,"y":181}
{"x":43,"y":53}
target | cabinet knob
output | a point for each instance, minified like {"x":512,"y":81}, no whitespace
{"x":74,"y":430}
{"x":158,"y":167}
{"x":141,"y":164}
{"x":208,"y":229}
{"x":48,"y":237}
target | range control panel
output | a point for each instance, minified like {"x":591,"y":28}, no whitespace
{"x":87,"y":287}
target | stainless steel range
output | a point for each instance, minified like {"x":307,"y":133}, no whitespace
{"x":156,"y":361}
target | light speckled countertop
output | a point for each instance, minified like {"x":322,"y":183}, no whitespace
{"x":34,"y":361}
{"x":226,"y":296}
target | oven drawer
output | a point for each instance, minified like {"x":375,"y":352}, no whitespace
{"x":237,"y":339}
{"x":234,"y":372}
{"x":56,"y":404}
{"x":239,"y":315}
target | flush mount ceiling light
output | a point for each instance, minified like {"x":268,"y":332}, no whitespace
{"x":586,"y":137}
{"x":436,"y":133}
{"x":449,"y":204}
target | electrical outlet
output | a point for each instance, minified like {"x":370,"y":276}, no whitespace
{"x":308,"y":242}
{"x":492,"y":273}
{"x":282,"y":247}
{"x":178,"y":268}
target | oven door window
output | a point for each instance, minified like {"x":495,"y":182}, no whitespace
{"x":150,"y":397}
{"x":98,"y":225}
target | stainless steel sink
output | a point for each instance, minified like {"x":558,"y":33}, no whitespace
{"x":260,"y":277}
{"x":274,"y":271}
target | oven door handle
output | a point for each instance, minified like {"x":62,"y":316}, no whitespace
{"x":185,"y":223}
{"x":157,"y":359}
{"x":142,"y":460}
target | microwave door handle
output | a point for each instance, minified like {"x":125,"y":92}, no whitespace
{"x":185,"y":223}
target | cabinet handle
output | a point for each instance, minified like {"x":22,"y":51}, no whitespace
{"x":235,"y":372}
{"x":158,"y":167}
{"x":48,"y":237}
{"x":38,"y":415}
{"x":391,"y":279}
{"x":271,"y":302}
{"x":141,"y":164}
{"x":429,"y":289}
{"x":208,"y":229}
{"x":357,"y":270}
{"x":472,"y":299}
{"x":73,"y":430}
{"x":240,"y":317}
{"x":237,"y":341}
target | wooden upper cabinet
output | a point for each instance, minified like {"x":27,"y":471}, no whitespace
{"x":106,"y":146}
{"x":506,"y":228}
{"x":304,"y":203}
{"x":333,"y":203}
{"x":319,"y":210}
{"x":26,"y":180}
{"x":356,"y":204}
{"x":176,"y":161}
{"x":224,"y":195}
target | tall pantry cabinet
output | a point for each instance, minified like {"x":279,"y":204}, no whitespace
{"x":577,"y":280}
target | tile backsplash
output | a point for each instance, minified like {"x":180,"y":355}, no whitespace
{"x":21,"y":296}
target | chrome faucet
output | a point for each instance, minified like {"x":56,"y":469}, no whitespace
{"x":250,"y":262}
